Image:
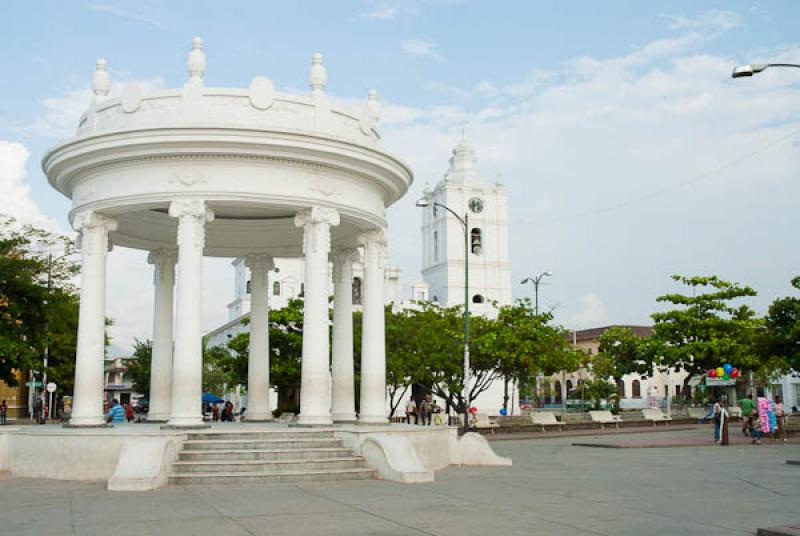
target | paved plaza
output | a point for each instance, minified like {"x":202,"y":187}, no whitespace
{"x":553,"y":488}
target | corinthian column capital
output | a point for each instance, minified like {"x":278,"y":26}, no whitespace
{"x":259,"y":263}
{"x":163,"y":261}
{"x":374,"y":243}
{"x":91,"y":220}
{"x":316,"y":223}
{"x":196,"y":208}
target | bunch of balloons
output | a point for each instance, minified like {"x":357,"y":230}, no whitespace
{"x":503,"y":412}
{"x":725,"y":372}
{"x":473,"y":410}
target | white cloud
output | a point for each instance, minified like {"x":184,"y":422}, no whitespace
{"x":119,"y":11}
{"x":420,"y":48}
{"x":624,"y":170}
{"x":716,"y":20}
{"x":58,"y":117}
{"x":15,"y":192}
{"x":380,"y":13}
{"x":592,"y":312}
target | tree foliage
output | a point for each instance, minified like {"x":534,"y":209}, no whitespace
{"x":139,"y":366}
{"x":38,"y":302}
{"x":705,"y":330}
{"x":779,"y":345}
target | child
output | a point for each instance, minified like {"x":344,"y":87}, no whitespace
{"x":755,"y":427}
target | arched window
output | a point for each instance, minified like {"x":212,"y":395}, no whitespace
{"x":356,"y":291}
{"x":435,"y":299}
{"x":476,"y":241}
{"x":636,"y":387}
{"x":558,"y":392}
{"x":302,"y":290}
{"x":247,"y":287}
{"x":276,"y":289}
{"x":569,"y":387}
{"x":436,"y":245}
{"x":477,"y":298}
{"x":621,"y":388}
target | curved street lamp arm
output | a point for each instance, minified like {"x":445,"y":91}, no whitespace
{"x":448,"y":209}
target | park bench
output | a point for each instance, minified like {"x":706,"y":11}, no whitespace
{"x":604,"y":418}
{"x":483,"y":422}
{"x":655,"y":415}
{"x":545,"y":419}
{"x":698,"y":413}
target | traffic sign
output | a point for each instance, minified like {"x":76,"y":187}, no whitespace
{"x":36,"y":383}
{"x":51,"y":387}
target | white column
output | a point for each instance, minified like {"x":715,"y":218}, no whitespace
{"x":187,"y":362}
{"x":258,"y":406}
{"x":87,"y":407}
{"x":343,"y":405}
{"x":373,"y":339}
{"x":315,"y":400}
{"x":163,"y":261}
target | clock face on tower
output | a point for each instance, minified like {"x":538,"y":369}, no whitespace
{"x":476,"y":205}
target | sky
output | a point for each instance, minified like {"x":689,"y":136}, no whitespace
{"x":629,"y":152}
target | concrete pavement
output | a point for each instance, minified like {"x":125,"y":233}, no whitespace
{"x":553,"y":488}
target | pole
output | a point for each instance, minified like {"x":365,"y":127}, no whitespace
{"x":47,"y":330}
{"x":466,"y":323}
{"x":669,"y":392}
{"x":536,"y":295}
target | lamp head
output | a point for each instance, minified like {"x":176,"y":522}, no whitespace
{"x":750,"y":69}
{"x":422,"y":203}
{"x":526,"y":280}
{"x":548,"y":273}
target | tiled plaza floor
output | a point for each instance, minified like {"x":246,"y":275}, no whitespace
{"x":552,"y":489}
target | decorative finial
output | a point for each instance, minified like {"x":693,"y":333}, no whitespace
{"x":318,"y":76}
{"x":374,"y":105}
{"x":101,"y":81}
{"x":464,"y":131}
{"x":196,"y":63}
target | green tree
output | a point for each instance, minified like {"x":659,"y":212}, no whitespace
{"x":622,"y":352}
{"x":599,"y":389}
{"x":524,"y":344}
{"x":139,"y":366}
{"x":779,"y":344}
{"x":704,"y":330}
{"x":38,"y":303}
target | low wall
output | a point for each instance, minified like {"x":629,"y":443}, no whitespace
{"x":76,"y":454}
{"x":434,"y":445}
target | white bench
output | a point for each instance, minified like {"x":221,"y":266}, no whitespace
{"x":545,"y":419}
{"x":655,"y":415}
{"x":604,"y":418}
{"x":698,"y":413}
{"x":482,"y":421}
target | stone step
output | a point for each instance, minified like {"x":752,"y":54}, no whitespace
{"x":272,"y":478}
{"x":260,"y":466}
{"x":267,"y":434}
{"x":267,"y":455}
{"x":260,"y":444}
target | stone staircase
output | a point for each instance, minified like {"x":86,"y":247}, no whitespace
{"x":275,"y":456}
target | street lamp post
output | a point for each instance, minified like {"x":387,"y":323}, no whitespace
{"x":750,"y":69}
{"x":423,"y":203}
{"x":536,"y":280}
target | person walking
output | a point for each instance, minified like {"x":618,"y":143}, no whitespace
{"x":3,"y":413}
{"x":747,"y":406}
{"x":129,"y":412}
{"x":411,"y":410}
{"x":116,"y":414}
{"x":716,"y":415}
{"x":780,"y":418}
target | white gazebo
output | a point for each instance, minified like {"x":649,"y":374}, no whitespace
{"x":229,"y":172}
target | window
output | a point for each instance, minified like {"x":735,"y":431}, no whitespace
{"x":356,"y":291}
{"x":276,"y":289}
{"x":558,"y":391}
{"x":621,"y":388}
{"x":477,"y":298}
{"x":436,"y":245}
{"x":302,"y":290}
{"x":569,"y":387}
{"x":677,"y":390}
{"x":636,"y":387}
{"x":247,"y":286}
{"x":476,"y":241}
{"x":435,"y":299}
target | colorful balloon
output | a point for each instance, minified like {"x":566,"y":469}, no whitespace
{"x":712,"y":373}
{"x":473,"y":409}
{"x":720,"y":372}
{"x":735,"y":373}
{"x":727,"y":368}
{"x":726,"y":377}
{"x":503,"y":412}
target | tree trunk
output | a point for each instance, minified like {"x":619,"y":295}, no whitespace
{"x":505,"y":393}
